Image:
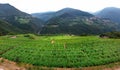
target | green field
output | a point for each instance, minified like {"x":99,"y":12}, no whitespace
{"x":64,"y":51}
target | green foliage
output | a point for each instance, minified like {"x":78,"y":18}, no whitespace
{"x":23,"y":21}
{"x":31,"y":36}
{"x":66,"y":51}
{"x":7,"y":28}
{"x":111,"y":35}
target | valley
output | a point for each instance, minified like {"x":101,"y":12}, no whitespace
{"x":66,"y":39}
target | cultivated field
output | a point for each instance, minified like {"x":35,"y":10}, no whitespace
{"x":60,"y":51}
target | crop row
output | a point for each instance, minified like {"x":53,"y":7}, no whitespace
{"x":69,"y":52}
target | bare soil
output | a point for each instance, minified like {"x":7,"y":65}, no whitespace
{"x":9,"y":65}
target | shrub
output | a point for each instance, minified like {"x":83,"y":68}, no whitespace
{"x":31,"y":36}
{"x":111,"y":35}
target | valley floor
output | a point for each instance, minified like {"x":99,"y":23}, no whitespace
{"x":30,"y":52}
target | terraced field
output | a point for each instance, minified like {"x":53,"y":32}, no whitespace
{"x":60,"y":51}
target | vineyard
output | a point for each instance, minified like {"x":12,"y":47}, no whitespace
{"x":60,"y":51}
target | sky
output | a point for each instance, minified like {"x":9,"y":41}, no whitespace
{"x":34,"y":6}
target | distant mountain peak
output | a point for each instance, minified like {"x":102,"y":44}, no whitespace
{"x":111,"y":8}
{"x":74,"y":12}
{"x":111,"y":13}
{"x":68,"y":8}
{"x":65,"y":11}
{"x":9,"y":10}
{"x":107,"y":9}
{"x":4,"y":4}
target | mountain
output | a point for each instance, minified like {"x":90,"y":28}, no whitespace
{"x":72,"y":11}
{"x":48,"y":15}
{"x":111,"y":13}
{"x":73,"y":21}
{"x":65,"y":21}
{"x":8,"y":10}
{"x":23,"y":21}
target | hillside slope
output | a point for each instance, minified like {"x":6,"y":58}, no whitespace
{"x":7,"y":28}
{"x":19,"y":19}
{"x":73,"y":21}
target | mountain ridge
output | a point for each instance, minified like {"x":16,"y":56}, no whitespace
{"x":48,"y":15}
{"x":64,"y":21}
{"x":72,"y":21}
{"x":111,"y":13}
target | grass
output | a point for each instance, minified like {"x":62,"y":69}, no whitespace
{"x":60,"y":51}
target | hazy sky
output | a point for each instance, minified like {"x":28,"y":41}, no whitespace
{"x":32,"y":6}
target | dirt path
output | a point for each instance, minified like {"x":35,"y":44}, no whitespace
{"x":9,"y":65}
